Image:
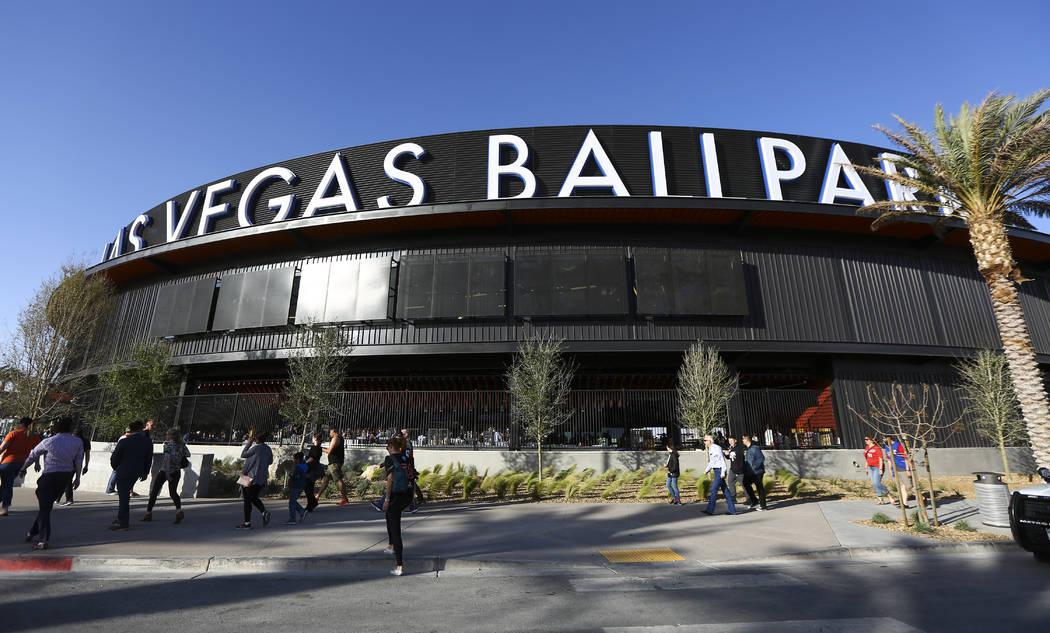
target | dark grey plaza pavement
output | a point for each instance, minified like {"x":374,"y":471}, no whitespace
{"x":450,"y":537}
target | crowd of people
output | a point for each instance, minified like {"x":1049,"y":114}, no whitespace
{"x":889,"y":457}
{"x":744,"y":463}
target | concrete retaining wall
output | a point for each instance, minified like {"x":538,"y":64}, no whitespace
{"x":194,"y":482}
{"x":844,"y":463}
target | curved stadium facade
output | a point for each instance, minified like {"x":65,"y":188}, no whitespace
{"x":434,"y":256}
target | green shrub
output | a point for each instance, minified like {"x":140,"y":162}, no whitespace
{"x":470,"y":484}
{"x":794,"y":485}
{"x":703,"y":487}
{"x":436,"y":484}
{"x":452,"y":480}
{"x":514,"y":481}
{"x":362,"y":487}
{"x":588,"y":486}
{"x":437,"y":469}
{"x":610,"y":474}
{"x":781,"y":474}
{"x":963,"y":526}
{"x":612,"y":488}
{"x":881,"y":519}
{"x":378,"y":488}
{"x":500,"y":486}
{"x":923,"y":528}
{"x":769,"y":484}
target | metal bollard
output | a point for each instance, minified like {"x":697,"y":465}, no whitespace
{"x":993,"y":499}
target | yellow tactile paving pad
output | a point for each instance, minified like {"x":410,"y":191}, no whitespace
{"x":659,"y":555}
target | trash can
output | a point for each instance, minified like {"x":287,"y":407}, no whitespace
{"x":993,"y":499}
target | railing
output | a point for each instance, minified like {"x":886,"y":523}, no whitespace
{"x":626,"y":419}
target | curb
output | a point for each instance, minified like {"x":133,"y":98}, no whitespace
{"x":896,"y":551}
{"x":230,"y":565}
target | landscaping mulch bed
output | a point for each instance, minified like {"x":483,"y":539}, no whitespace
{"x":943,"y":533}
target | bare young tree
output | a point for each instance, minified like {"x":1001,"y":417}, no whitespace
{"x":55,"y":330}
{"x":539,"y":380}
{"x":136,"y":385}
{"x":705,"y":385}
{"x":915,"y":419}
{"x":315,"y":375}
{"x":990,"y":397}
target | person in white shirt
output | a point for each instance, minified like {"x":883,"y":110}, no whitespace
{"x":63,"y":456}
{"x":716,"y":462}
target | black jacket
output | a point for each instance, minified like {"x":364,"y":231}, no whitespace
{"x":132,"y":457}
{"x":672,"y":465}
{"x":735,"y":458}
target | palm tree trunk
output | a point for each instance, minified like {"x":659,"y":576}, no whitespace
{"x":996,"y":264}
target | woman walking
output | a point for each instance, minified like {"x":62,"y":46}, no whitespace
{"x":398,"y":496}
{"x":257,"y":458}
{"x":63,"y":456}
{"x":876,"y":469}
{"x":14,"y":450}
{"x":673,"y":473}
{"x":175,"y":452}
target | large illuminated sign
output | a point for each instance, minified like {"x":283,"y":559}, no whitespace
{"x":525,"y":163}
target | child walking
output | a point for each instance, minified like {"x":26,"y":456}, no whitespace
{"x":296,"y":483}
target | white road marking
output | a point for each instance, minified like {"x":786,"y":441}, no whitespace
{"x":848,"y":625}
{"x":712,"y":581}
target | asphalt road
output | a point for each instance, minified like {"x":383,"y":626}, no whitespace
{"x":1000,"y":592}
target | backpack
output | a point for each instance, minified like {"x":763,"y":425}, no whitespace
{"x":399,"y":483}
{"x":185,"y":461}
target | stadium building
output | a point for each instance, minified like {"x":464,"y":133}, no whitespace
{"x":435,"y":256}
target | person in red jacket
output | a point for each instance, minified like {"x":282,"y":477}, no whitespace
{"x":13,"y":453}
{"x":876,"y":469}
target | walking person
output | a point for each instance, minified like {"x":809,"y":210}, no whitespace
{"x":716,"y":463}
{"x":63,"y":456}
{"x":175,"y":455}
{"x":873,"y":456}
{"x":14,"y":451}
{"x":131,"y":461}
{"x":314,"y":471}
{"x":900,"y":469}
{"x":336,"y":455}
{"x":80,"y":435}
{"x":735,"y":464}
{"x":397,"y":496}
{"x":296,"y":483}
{"x":754,"y":471}
{"x":257,"y":458}
{"x":673,"y":472}
{"x":111,"y":487}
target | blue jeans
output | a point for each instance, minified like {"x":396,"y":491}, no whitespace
{"x":876,"y":480}
{"x":111,"y":487}
{"x":124,"y":487}
{"x":294,"y":508}
{"x":8,"y":473}
{"x":672,"y":487}
{"x":720,"y":484}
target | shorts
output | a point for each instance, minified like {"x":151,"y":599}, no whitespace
{"x":335,"y":471}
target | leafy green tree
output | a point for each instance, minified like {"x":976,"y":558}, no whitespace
{"x":315,"y":375}
{"x":539,"y":380}
{"x":136,"y":386}
{"x":987,"y":167}
{"x":990,"y":397}
{"x":55,"y":331}
{"x":705,"y":385}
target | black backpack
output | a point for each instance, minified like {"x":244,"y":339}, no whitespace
{"x":399,"y":483}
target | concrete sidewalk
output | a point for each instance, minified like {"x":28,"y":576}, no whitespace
{"x":461,"y":536}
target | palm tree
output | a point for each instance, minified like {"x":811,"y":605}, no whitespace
{"x":987,"y":167}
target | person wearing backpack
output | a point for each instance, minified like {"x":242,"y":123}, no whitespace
{"x":314,"y":471}
{"x":398,"y":496}
{"x":176,"y":457}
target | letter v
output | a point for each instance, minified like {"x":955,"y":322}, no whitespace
{"x":176,"y":231}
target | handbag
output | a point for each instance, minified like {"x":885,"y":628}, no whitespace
{"x":244,"y":480}
{"x":185,"y":461}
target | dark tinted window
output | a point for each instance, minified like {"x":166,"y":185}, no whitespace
{"x":451,"y":286}
{"x":688,"y":282}
{"x":569,"y":283}
{"x":183,"y":308}
{"x":259,"y":298}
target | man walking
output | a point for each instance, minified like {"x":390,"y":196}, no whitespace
{"x":336,"y":456}
{"x":63,"y":456}
{"x":716,"y":462}
{"x":131,"y":460}
{"x":754,"y":471}
{"x":13,"y":453}
{"x":735,"y":459}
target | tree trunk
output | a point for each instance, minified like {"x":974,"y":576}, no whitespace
{"x":539,"y":459}
{"x":903,"y":500}
{"x":996,"y":264}
{"x":920,"y":495}
{"x":1002,"y":451}
{"x":933,"y":491}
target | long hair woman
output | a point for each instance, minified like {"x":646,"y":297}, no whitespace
{"x":170,"y":472}
{"x":398,"y":497}
{"x":257,"y":458}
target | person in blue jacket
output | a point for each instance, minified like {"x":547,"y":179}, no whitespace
{"x":754,"y":471}
{"x":131,"y":460}
{"x":296,"y":484}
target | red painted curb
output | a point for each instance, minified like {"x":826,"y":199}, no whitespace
{"x":33,"y":563}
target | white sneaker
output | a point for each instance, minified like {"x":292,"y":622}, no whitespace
{"x":388,"y":550}
{"x":396,"y":572}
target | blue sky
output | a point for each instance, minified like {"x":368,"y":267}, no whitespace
{"x":109,"y":108}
